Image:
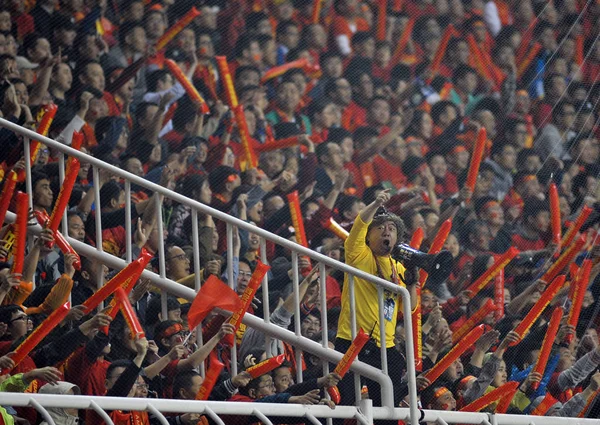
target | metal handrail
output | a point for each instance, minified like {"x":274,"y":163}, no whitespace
{"x":215,"y":408}
{"x":386,"y":385}
{"x":250,"y":320}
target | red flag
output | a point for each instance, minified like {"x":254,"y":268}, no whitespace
{"x":214,"y":293}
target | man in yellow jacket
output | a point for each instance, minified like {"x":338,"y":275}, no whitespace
{"x":368,"y":248}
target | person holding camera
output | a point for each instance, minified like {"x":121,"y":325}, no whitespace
{"x":374,"y":234}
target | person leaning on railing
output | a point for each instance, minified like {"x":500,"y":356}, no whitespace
{"x":368,"y":248}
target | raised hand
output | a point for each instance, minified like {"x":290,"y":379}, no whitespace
{"x":48,"y":374}
{"x":328,"y":381}
{"x":141,"y":346}
{"x":176,"y":352}
{"x":383,"y":198}
{"x":241,"y":379}
{"x":488,"y":339}
{"x":70,"y":260}
{"x":140,"y":237}
{"x":226,"y":329}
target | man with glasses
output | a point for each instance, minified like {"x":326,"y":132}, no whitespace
{"x":17,"y":325}
{"x":15,"y":320}
{"x":263,"y":389}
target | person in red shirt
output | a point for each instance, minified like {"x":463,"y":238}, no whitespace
{"x":386,"y":163}
{"x":378,"y":114}
{"x":340,"y":91}
{"x":169,"y":339}
{"x":247,"y":52}
{"x":382,"y":65}
{"x":536,"y":222}
{"x":323,"y":115}
{"x":476,"y":241}
{"x":87,"y":366}
{"x":314,"y":38}
{"x":446,"y":184}
{"x":458,"y":54}
{"x":554,"y":87}
{"x":345,"y":23}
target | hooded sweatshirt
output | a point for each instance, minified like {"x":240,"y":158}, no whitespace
{"x":58,"y":414}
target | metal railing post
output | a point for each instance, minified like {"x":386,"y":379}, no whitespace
{"x":197,"y":282}
{"x":266,"y":303}
{"x":382,"y":335}
{"x":162,"y":265}
{"x":98,"y":223}
{"x":27,"y":155}
{"x":410,"y":358}
{"x":297,"y":320}
{"x":61,"y":179}
{"x":324,"y":323}
{"x":128,"y":243}
{"x":28,"y":186}
{"x":233,"y":286}
{"x":353,"y":331}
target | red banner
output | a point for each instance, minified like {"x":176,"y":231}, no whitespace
{"x":230,"y":94}
{"x":459,"y":348}
{"x":266,"y":366}
{"x":64,"y":246}
{"x":137,"y":331}
{"x":10,"y":183}
{"x":491,"y":397}
{"x":555,"y":215}
{"x":62,"y":201}
{"x":216,"y":366}
{"x":474,"y":320}
{"x":278,"y":71}
{"x":297,"y":219}
{"x":441,"y":50}
{"x":496,"y":268}
{"x":550,"y":335}
{"x":564,"y":260}
{"x":337,"y":229}
{"x":577,"y":294}
{"x":187,"y":85}
{"x":172,"y":32}
{"x":499,"y":295}
{"x":403,"y":42}
{"x":534,"y":313}
{"x":526,"y":62}
{"x":20,"y":230}
{"x":476,"y":158}
{"x":130,"y":273}
{"x":572,"y":231}
{"x":351,"y":354}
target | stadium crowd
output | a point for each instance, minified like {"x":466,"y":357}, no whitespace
{"x":377,"y":98}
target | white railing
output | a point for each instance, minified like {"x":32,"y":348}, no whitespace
{"x":365,"y":413}
{"x":295,"y":339}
